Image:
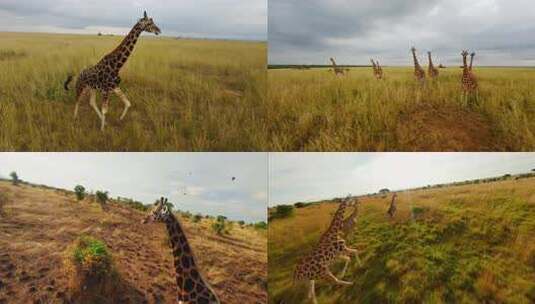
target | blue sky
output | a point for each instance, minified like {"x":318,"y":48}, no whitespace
{"x":299,"y":177}
{"x":196,"y":182}
{"x":235,"y":19}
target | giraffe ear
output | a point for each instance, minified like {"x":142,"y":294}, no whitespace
{"x":145,"y":14}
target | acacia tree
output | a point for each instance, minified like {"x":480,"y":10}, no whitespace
{"x":102,"y":197}
{"x":79,"y":190}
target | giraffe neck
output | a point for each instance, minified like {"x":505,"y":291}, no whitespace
{"x":336,"y":224}
{"x":120,"y":55}
{"x":393,"y":201}
{"x":416,"y":64}
{"x":187,"y":274}
{"x":471,"y":61}
{"x":430,"y":60}
{"x":465,"y":66}
{"x":334,"y":63}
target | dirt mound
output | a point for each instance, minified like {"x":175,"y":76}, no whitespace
{"x":40,"y":224}
{"x":429,"y":127}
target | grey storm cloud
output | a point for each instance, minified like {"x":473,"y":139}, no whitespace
{"x":310,"y":31}
{"x":235,"y":19}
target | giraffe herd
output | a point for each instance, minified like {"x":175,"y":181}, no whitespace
{"x":331,"y":246}
{"x":468,"y":80}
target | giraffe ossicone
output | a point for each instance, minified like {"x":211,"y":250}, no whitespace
{"x":104,"y":76}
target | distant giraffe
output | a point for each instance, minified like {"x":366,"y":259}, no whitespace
{"x":432,"y":71}
{"x":377,"y":70}
{"x":393,"y":208}
{"x":315,"y":264}
{"x":104,"y":76}
{"x":192,"y":287}
{"x":349,"y":222}
{"x":338,"y":71}
{"x":468,"y":80}
{"x":418,"y":71}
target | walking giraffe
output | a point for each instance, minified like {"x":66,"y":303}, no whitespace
{"x":315,"y":264}
{"x":432,"y":71}
{"x":468,"y":80}
{"x":192,"y":287}
{"x":418,"y":71}
{"x":338,"y":71}
{"x":104,"y":76}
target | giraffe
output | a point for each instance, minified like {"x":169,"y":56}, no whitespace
{"x":192,"y":287}
{"x":418,"y":71}
{"x":349,"y":222}
{"x":104,"y":76}
{"x":468,"y":80}
{"x":315,"y":264}
{"x":377,"y":70}
{"x":432,"y":71}
{"x":392,"y":209}
{"x":338,"y":71}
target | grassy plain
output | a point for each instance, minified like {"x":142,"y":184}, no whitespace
{"x":187,"y":95}
{"x":312,"y":110}
{"x":38,"y":226}
{"x":468,"y":244}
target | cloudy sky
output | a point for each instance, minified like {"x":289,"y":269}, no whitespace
{"x":235,"y":19}
{"x":311,"y":31}
{"x":196,"y":182}
{"x":297,"y":177}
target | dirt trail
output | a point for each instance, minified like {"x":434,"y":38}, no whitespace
{"x":39,"y":224}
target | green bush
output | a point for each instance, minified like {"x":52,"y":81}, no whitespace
{"x":14,"y":178}
{"x":282,"y":211}
{"x":197,"y":218}
{"x":261,"y":225}
{"x":102,"y":197}
{"x":221,"y":218}
{"x":219,"y":227}
{"x":91,"y":255}
{"x":79,"y":190}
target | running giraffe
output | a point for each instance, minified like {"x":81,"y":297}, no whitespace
{"x":432,"y":71}
{"x":418,"y":71}
{"x":104,"y":76}
{"x":192,"y":287}
{"x":315,"y":264}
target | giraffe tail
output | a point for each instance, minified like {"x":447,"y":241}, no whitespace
{"x":68,"y":81}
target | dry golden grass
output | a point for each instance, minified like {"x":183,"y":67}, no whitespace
{"x":186,"y":95}
{"x":471,"y":244}
{"x":312,"y":110}
{"x":40,"y":225}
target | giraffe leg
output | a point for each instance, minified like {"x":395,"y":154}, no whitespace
{"x":125,"y":100}
{"x":78,"y":99}
{"x":346,"y":259}
{"x":355,"y":253}
{"x":336,"y":280}
{"x":312,"y":292}
{"x":93,"y":102}
{"x":105,"y":105}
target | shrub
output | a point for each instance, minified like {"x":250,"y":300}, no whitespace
{"x":299,"y":205}
{"x":14,"y":178}
{"x":261,"y":225}
{"x":221,"y":218}
{"x":92,"y":255}
{"x":197,"y":218}
{"x":283,"y":211}
{"x":102,"y":197}
{"x":186,"y":214}
{"x":241,"y":223}
{"x":3,"y":201}
{"x":219,"y":227}
{"x":79,"y":190}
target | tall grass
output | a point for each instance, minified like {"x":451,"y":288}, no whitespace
{"x":186,"y":95}
{"x":468,"y":244}
{"x":313,"y":110}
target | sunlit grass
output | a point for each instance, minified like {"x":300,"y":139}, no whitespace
{"x":313,"y":110}
{"x":186,"y":95}
{"x":469,"y":244}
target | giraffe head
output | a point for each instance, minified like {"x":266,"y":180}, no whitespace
{"x":413,"y":49}
{"x":159,"y":213}
{"x":148,"y":24}
{"x":464,"y":53}
{"x":472,"y":54}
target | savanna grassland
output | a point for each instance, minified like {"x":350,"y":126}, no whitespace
{"x":186,"y":95}
{"x":39,"y":225}
{"x":312,"y":110}
{"x":459,"y":244}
